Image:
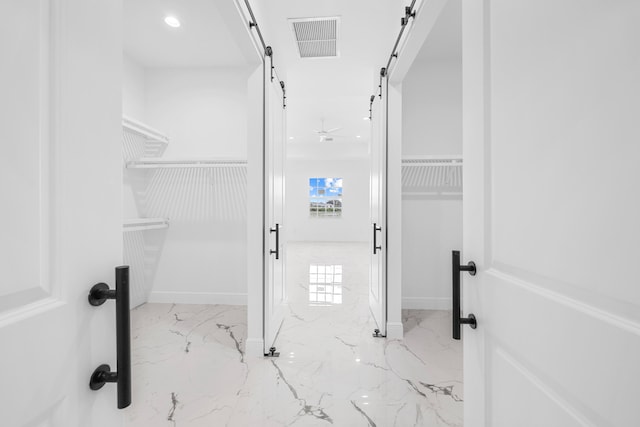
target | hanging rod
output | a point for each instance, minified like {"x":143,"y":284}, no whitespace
{"x":432,"y":160}
{"x":155,"y":164}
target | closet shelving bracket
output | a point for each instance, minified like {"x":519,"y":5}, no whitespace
{"x":151,"y":134}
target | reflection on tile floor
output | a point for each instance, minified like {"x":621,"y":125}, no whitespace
{"x":190,"y":368}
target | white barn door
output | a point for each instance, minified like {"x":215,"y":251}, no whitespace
{"x":551,"y":212}
{"x":377,"y":205}
{"x":274,"y":292}
{"x":60,"y":186}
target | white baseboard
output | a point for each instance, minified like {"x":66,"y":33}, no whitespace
{"x":255,"y":347}
{"x":394,"y":331}
{"x":198,"y":298}
{"x":426,"y":303}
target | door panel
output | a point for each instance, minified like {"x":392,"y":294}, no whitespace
{"x":24,"y":165}
{"x":274,"y":206}
{"x":378,"y":247}
{"x":550,"y":217}
{"x":60,"y":112}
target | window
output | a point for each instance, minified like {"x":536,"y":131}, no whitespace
{"x":325,"y":197}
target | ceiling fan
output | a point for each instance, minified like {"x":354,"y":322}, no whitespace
{"x":327,"y":134}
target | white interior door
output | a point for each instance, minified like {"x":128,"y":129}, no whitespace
{"x":60,"y":171}
{"x":274,"y":293}
{"x":378,"y":239}
{"x":551,"y":209}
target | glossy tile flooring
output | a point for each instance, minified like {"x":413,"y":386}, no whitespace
{"x":190,"y":368}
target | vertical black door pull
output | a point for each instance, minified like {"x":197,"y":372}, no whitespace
{"x":375,"y":240}
{"x":458,"y":321}
{"x":277,"y":231}
{"x":97,"y":296}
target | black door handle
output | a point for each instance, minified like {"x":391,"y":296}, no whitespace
{"x":277,"y":231}
{"x":375,"y":239}
{"x":458,"y":321}
{"x":97,"y":296}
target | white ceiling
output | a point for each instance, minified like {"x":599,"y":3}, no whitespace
{"x":337,"y":89}
{"x":202,"y":40}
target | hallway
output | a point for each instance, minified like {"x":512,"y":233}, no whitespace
{"x":190,"y":368}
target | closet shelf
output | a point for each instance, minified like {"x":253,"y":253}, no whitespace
{"x":432,"y":161}
{"x":432,"y":175}
{"x":202,"y":163}
{"x":141,"y":224}
{"x":149,"y":133}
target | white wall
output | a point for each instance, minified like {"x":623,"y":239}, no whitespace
{"x":202,"y":110}
{"x":431,"y":228}
{"x":201,"y":257}
{"x":353,"y":226}
{"x":432,"y":108}
{"x":133,"y":89}
{"x":133,"y":100}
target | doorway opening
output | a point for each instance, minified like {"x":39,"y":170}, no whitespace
{"x":432,"y":192}
{"x":186,"y":109}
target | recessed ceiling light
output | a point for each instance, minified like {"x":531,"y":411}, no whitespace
{"x":290,"y":137}
{"x":172,"y":21}
{"x":357,"y":136}
{"x":365,"y":118}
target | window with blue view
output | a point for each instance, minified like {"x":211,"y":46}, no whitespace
{"x":325,"y":197}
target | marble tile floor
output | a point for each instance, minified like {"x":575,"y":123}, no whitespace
{"x":190,"y":367}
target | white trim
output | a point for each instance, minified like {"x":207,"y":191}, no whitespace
{"x":395,"y":331}
{"x":254,"y":347}
{"x":426,"y":303}
{"x":226,"y":298}
{"x":588,"y":308}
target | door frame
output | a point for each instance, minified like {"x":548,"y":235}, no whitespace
{"x":415,"y":34}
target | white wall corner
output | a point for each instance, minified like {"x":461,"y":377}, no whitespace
{"x":395,"y":331}
{"x":255,"y":348}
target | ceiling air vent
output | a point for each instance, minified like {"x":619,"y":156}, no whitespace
{"x":316,"y":37}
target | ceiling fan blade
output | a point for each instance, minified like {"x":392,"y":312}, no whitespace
{"x":333,"y":130}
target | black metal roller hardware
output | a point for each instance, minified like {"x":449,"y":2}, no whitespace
{"x":377,"y":334}
{"x":272,"y":353}
{"x":458,"y":320}
{"x":98,"y":295}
